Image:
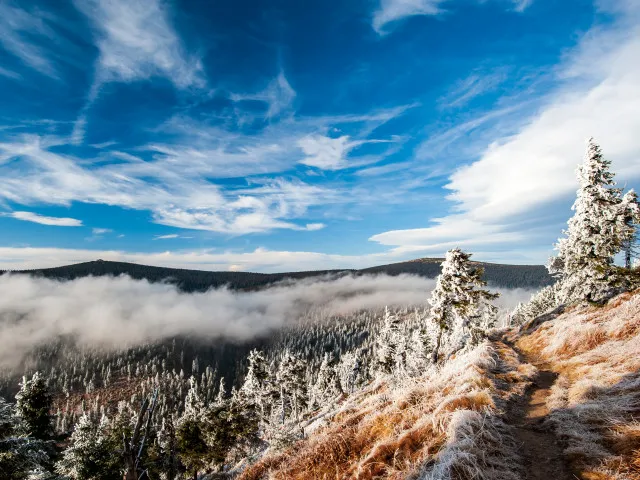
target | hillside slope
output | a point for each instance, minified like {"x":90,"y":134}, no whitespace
{"x":558,"y":398}
{"x":498,"y":275}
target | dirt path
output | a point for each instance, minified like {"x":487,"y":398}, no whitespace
{"x":538,"y":445}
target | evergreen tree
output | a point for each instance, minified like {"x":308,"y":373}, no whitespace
{"x":458,"y":302}
{"x":190,"y":433}
{"x":419,"y":352}
{"x":290,"y":378}
{"x":327,"y":385}
{"x":229,"y":425}
{"x":192,"y":445}
{"x":21,"y":456}
{"x":90,"y":454}
{"x":539,"y":303}
{"x":164,"y":454}
{"x":34,"y":404}
{"x":601,"y":225}
{"x":349,"y":370}
{"x":255,"y":388}
{"x":388,"y":342}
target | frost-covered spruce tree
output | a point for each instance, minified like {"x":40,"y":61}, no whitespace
{"x":191,"y":432}
{"x":33,"y":405}
{"x":600,"y":227}
{"x":351,"y":371}
{"x":254,"y":389}
{"x":327,"y":386}
{"x":90,"y":454}
{"x":420,"y":348}
{"x":21,"y":457}
{"x":290,"y":378}
{"x":388,"y":343}
{"x":540,"y":303}
{"x":458,"y":303}
{"x":193,"y":404}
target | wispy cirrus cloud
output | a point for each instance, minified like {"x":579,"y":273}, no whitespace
{"x":195,"y":147}
{"x":278,"y":96}
{"x":44,"y":220}
{"x":22,"y":36}
{"x":9,"y":73}
{"x":475,"y":85}
{"x":390,"y":11}
{"x":175,"y":198}
{"x":137,"y":41}
{"x":325,"y":152}
{"x":393,"y":10}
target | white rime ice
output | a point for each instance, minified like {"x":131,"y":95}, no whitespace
{"x":89,"y":451}
{"x":255,"y":387}
{"x":600,"y":227}
{"x":461,"y":309}
{"x":389,"y":343}
{"x":327,"y":386}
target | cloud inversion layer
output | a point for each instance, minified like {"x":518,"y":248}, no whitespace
{"x":114,"y":313}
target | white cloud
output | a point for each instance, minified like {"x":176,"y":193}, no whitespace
{"x":166,"y":237}
{"x":175,"y":197}
{"x":8,"y":73}
{"x":137,"y":41}
{"x":517,"y":176}
{"x":100,"y":231}
{"x":44,"y":220}
{"x":22,"y":35}
{"x":314,"y":226}
{"x":390,"y":11}
{"x":278,"y":95}
{"x":473,"y":86}
{"x":325,"y":152}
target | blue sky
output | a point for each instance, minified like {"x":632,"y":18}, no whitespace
{"x":293,"y":135}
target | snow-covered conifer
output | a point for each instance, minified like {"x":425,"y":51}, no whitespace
{"x":388,"y":342}
{"x":419,"y":352}
{"x":603,"y":221}
{"x":458,"y":303}
{"x":350,"y":371}
{"x":290,"y":378}
{"x":193,"y":404}
{"x":33,"y":405}
{"x":89,"y":454}
{"x":254,"y":388}
{"x":540,"y":303}
{"x":21,"y":456}
{"x":327,"y":385}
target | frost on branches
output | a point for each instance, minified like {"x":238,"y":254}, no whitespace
{"x":541,"y":302}
{"x":21,"y":456}
{"x":90,"y":453}
{"x":461,"y":310}
{"x":601,"y":225}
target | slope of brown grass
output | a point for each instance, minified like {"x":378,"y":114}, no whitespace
{"x":444,"y":425}
{"x":595,"y":402}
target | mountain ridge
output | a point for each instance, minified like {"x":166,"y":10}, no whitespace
{"x":193,"y":280}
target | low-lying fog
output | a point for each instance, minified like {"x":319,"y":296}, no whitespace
{"x":113,"y":313}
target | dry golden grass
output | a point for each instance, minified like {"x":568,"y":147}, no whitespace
{"x":444,"y":422}
{"x":596,"y":400}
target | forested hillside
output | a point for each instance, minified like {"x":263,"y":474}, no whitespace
{"x":507,"y":276}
